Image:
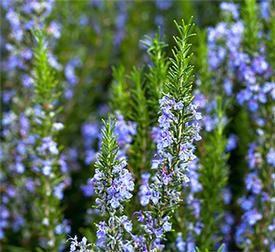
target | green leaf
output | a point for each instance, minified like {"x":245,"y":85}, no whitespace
{"x":180,"y":80}
{"x":45,"y":83}
{"x":221,"y":248}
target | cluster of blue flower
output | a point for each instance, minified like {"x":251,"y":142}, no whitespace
{"x":23,"y":152}
{"x":249,"y":78}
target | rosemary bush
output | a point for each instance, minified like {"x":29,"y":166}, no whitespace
{"x":137,"y":126}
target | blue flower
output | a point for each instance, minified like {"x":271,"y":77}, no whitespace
{"x":228,"y":87}
{"x":269,"y":88}
{"x":55,"y":29}
{"x":81,"y":246}
{"x":124,"y":132}
{"x":127,"y":224}
{"x":230,"y":7}
{"x":101,"y":233}
{"x":252,"y":217}
{"x":47,"y":167}
{"x":270,"y":157}
{"x":163,"y":4}
{"x":180,"y":244}
{"x":259,"y":65}
{"x":253,"y":183}
{"x":48,"y":145}
{"x":88,"y":189}
{"x":249,"y":75}
{"x":167,"y":226}
{"x":231,"y":142}
{"x":265,"y":9}
{"x":20,"y":168}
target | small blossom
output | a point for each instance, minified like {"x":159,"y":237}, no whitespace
{"x":270,"y":157}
